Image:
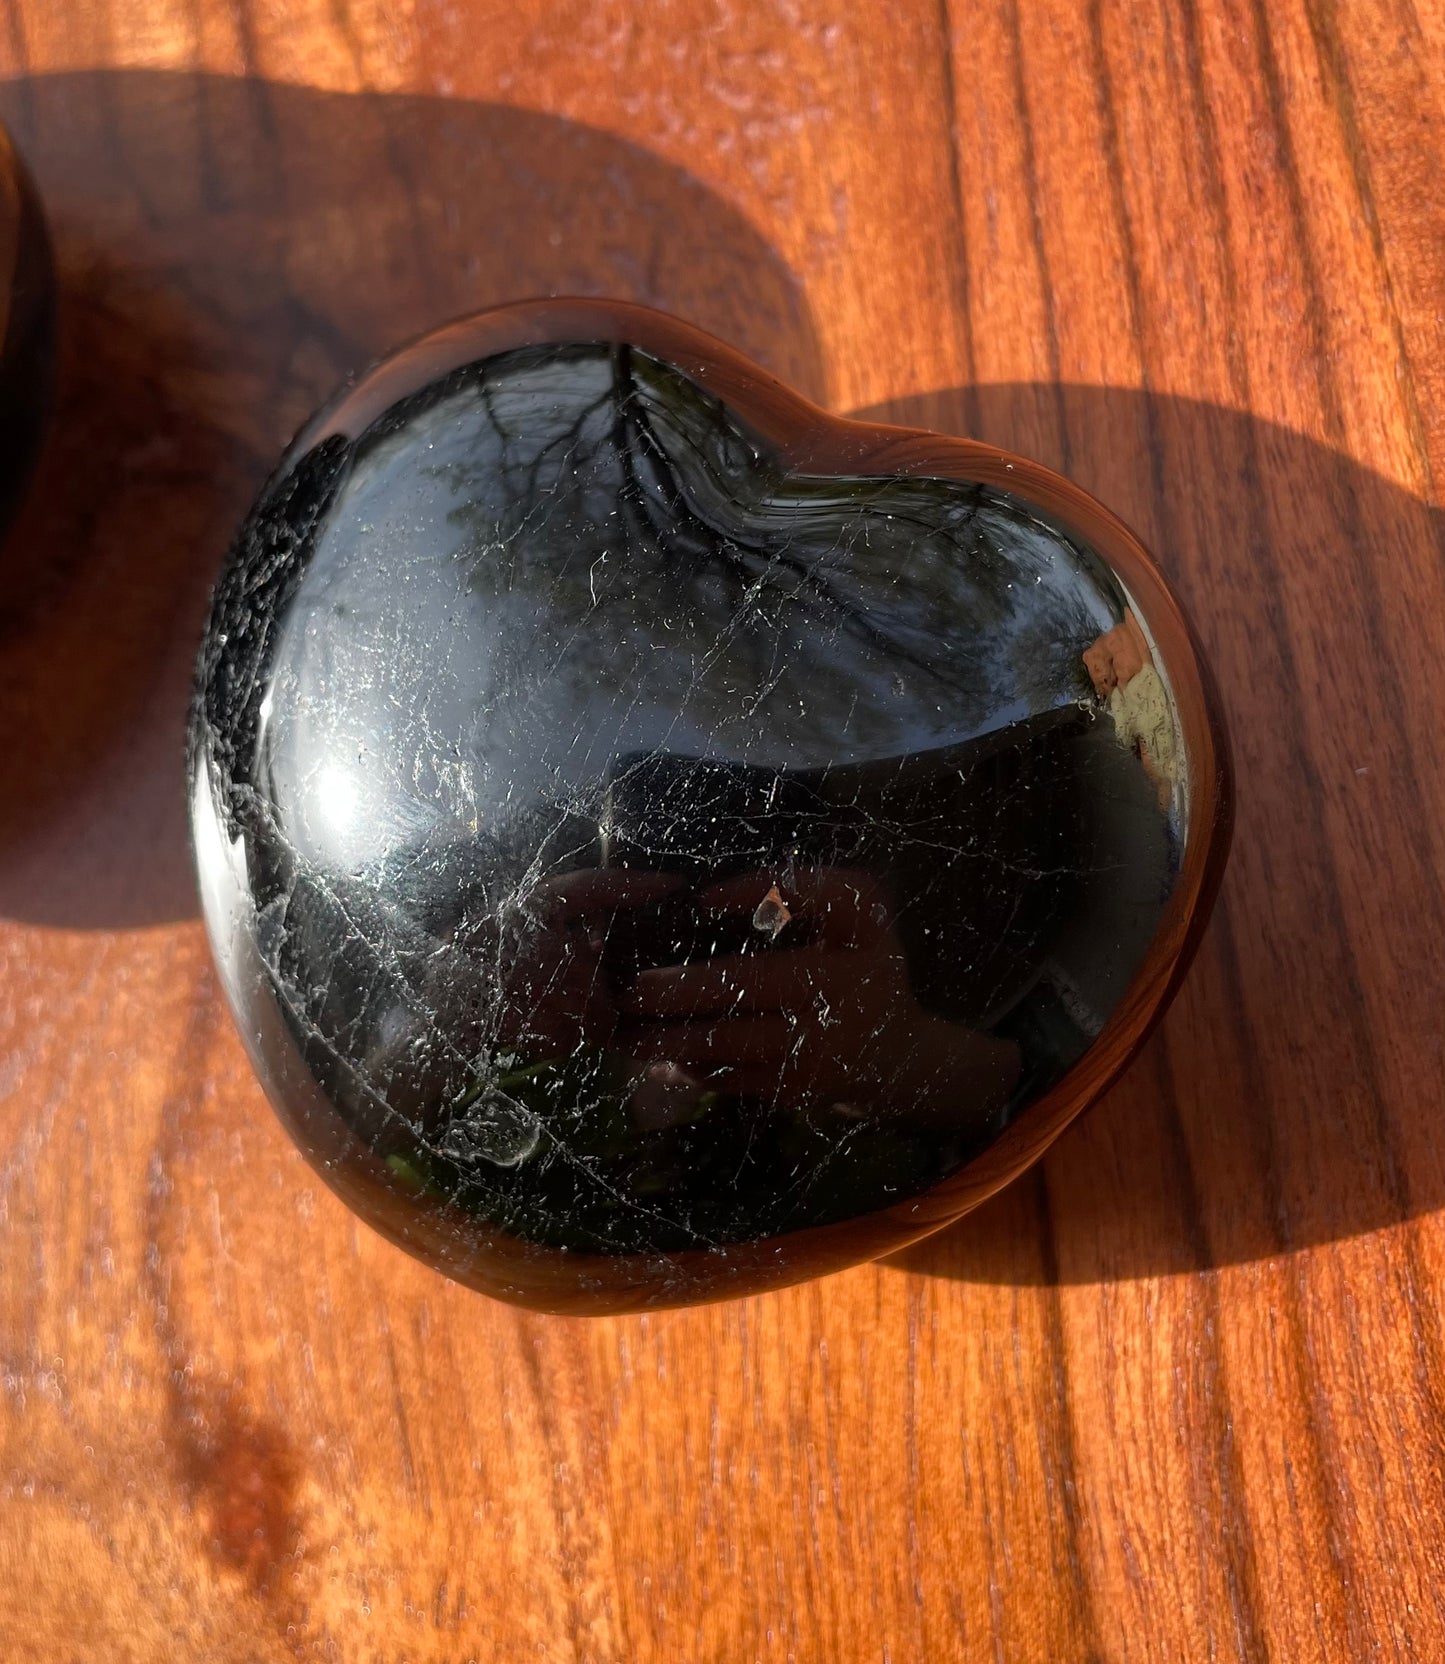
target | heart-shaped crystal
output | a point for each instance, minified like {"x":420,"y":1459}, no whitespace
{"x":660,"y":840}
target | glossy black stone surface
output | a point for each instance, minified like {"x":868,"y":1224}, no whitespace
{"x":614,"y":845}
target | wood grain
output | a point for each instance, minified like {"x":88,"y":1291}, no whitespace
{"x":1178,"y":1394}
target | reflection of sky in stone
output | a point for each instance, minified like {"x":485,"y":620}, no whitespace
{"x":504,"y":601}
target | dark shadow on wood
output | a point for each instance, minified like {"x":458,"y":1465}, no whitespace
{"x":1280,"y":1104}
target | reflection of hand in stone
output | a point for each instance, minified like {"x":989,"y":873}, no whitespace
{"x":1121,"y":667}
{"x":833,"y":1020}
{"x":555,"y":991}
{"x":1117,"y":657}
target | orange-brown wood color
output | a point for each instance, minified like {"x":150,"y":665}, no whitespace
{"x":1179,"y":1393}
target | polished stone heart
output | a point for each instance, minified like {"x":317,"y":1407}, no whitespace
{"x":659,"y":840}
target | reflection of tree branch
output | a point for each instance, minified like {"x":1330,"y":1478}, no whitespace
{"x":669,"y":480}
{"x":747,"y":563}
{"x":634,"y":498}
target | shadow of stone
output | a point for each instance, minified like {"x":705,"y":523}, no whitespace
{"x":1294,"y":1093}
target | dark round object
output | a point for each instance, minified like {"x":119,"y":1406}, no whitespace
{"x":27,"y":327}
{"x":661,"y":841}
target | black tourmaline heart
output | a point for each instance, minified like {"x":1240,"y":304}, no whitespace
{"x":661,"y":841}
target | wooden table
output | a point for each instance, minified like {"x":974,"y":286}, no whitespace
{"x":1181,"y":1395}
